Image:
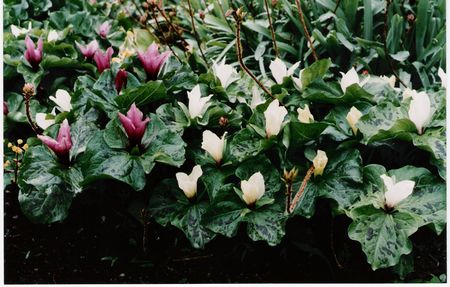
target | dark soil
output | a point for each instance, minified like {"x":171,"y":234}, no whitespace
{"x":101,"y":243}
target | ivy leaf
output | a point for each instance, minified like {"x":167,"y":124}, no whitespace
{"x":246,"y":144}
{"x":302,"y":133}
{"x":81,"y":132}
{"x":316,"y":70}
{"x":319,"y":91}
{"x":383,"y":236}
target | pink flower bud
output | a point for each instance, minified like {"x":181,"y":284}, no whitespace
{"x":103,"y":30}
{"x":89,"y":50}
{"x":33,"y":55}
{"x":152,"y":61}
{"x":121,"y":80}
{"x":134,"y":125}
{"x":62,"y":145}
{"x":103,"y":60}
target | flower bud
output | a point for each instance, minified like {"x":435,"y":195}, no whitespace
{"x":63,"y":143}
{"x":320,"y":162}
{"x":396,"y":192}
{"x":304,"y":115}
{"x":274,"y":116}
{"x":214,"y":145}
{"x":420,"y":110}
{"x":253,"y":188}
{"x":188,"y":183}
{"x":134,"y":125}
{"x":353,"y":117}
{"x":32,"y":54}
{"x":152,"y":61}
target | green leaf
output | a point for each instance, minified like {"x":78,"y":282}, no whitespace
{"x":302,"y":133}
{"x":45,"y":193}
{"x":322,"y":92}
{"x":272,"y":177}
{"x":99,"y":161}
{"x":383,"y":236}
{"x":315,"y":71}
{"x":162,"y":144}
{"x":149,"y":92}
{"x":190,"y":223}
{"x":267,"y":223}
{"x":246,"y":144}
{"x":81,"y":132}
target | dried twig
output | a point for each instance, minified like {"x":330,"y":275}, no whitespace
{"x":274,"y":41}
{"x":185,"y":44}
{"x":238,"y":17}
{"x":163,"y":35}
{"x":197,"y":37}
{"x":305,"y":29}
{"x":28,"y":93}
{"x":302,"y":188}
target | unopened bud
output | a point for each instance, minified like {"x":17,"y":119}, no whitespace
{"x":201,"y":14}
{"x":274,"y":2}
{"x":229,"y":12}
{"x":28,"y":90}
{"x":289,"y":176}
{"x":410,"y":18}
{"x":223,"y":121}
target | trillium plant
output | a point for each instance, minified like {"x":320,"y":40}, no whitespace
{"x":234,"y":122}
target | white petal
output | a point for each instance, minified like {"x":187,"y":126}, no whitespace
{"x":348,"y":79}
{"x":225,"y":73}
{"x":213,"y":145}
{"x":52,"y":36}
{"x":62,"y":100}
{"x":388,"y":181}
{"x":274,"y":116}
{"x":292,"y":69}
{"x":256,"y":98}
{"x":253,"y":188}
{"x":278,"y":69}
{"x":420,"y":110}
{"x":352,"y":118}
{"x":320,"y":162}
{"x":42,"y":121}
{"x":16,"y":31}
{"x":398,"y":192}
{"x":197,"y":105}
{"x":443,"y":77}
{"x":188,"y":183}
{"x":304,"y":115}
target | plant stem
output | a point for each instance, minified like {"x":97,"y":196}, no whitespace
{"x":35,"y":128}
{"x":185,"y":44}
{"x":386,"y":52}
{"x":338,"y":264}
{"x":163,"y":35}
{"x":197,"y":37}
{"x":274,"y":41}
{"x":305,"y":29}
{"x":302,"y":188}
{"x":288,"y":196}
{"x":241,"y":61}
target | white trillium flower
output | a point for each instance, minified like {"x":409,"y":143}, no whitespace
{"x":396,"y":192}
{"x":225,"y":73}
{"x":214,"y":145}
{"x":188,"y":183}
{"x":44,"y":123}
{"x":353,"y":117}
{"x":197,"y":104}
{"x":304,"y":115}
{"x":443,"y":77}
{"x":298,"y":81}
{"x":52,"y":36}
{"x":279,"y":70}
{"x":420,"y":110}
{"x":256,"y":98}
{"x":389,"y":80}
{"x":253,"y":188}
{"x":62,"y":100}
{"x":350,"y":78}
{"x":274,"y":116}
{"x":17,"y":31}
{"x":320,"y":162}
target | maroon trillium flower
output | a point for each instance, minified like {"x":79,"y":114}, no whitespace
{"x":62,"y":145}
{"x":103,"y":60}
{"x":89,"y":50}
{"x":103,"y":30}
{"x":134,"y":124}
{"x":33,"y":55}
{"x":121,"y":80}
{"x":152,"y":60}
